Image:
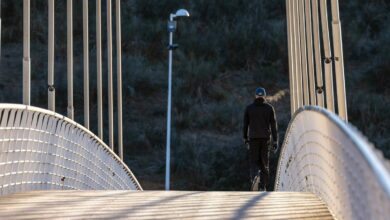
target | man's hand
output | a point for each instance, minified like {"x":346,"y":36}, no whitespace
{"x":246,"y":142}
{"x":275,"y":146}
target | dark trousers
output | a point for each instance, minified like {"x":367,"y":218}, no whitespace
{"x":259,"y":160}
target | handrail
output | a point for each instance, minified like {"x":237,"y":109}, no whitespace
{"x":59,"y":127}
{"x":324,"y":155}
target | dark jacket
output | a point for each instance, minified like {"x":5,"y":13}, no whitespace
{"x":260,"y":119}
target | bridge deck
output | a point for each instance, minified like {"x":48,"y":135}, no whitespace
{"x":162,"y":205}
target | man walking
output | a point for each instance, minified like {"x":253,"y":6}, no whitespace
{"x":260,"y":120}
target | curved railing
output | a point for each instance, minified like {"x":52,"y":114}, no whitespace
{"x":324,"y":155}
{"x":42,"y":150}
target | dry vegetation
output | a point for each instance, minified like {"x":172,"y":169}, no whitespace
{"x":227,"y":48}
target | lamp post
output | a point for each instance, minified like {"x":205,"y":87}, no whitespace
{"x":171,"y":47}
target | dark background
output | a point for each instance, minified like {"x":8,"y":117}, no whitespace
{"x":227,"y":49}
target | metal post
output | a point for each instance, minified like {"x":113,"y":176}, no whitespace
{"x":168,"y":150}
{"x":317,"y":52}
{"x":109,"y":67}
{"x":297,"y":55}
{"x":328,"y":57}
{"x":50,"y":78}
{"x":119,"y":76}
{"x":70,"y":58}
{"x":86,"y":63}
{"x":290,"y":56}
{"x":26,"y":53}
{"x":301,"y":8}
{"x":339,"y":61}
{"x":99,"y":67}
{"x":310,"y":55}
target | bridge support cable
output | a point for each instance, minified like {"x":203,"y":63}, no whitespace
{"x":99,"y":68}
{"x":0,"y":29}
{"x":50,"y":79}
{"x":302,"y":26}
{"x":69,"y":16}
{"x":298,"y":66}
{"x":70,"y":67}
{"x":328,"y":59}
{"x":328,"y":157}
{"x":294,"y":58}
{"x":303,"y":52}
{"x":26,"y":54}
{"x":291,"y":57}
{"x":86,"y":63}
{"x":339,"y":61}
{"x":317,"y":53}
{"x":110,"y":78}
{"x":119,"y":75}
{"x":311,"y":65}
{"x":310,"y":55}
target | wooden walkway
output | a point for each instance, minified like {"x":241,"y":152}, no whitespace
{"x":162,"y":205}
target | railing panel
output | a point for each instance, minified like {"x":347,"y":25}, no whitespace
{"x":324,"y":155}
{"x":42,"y":150}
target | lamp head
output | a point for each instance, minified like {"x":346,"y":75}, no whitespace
{"x":180,"y":13}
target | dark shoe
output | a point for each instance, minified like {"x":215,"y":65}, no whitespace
{"x":262,"y":188}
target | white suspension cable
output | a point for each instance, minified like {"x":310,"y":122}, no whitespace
{"x":310,"y":55}
{"x":317,"y":52}
{"x":50,"y":78}
{"x":328,"y":57}
{"x":339,"y":61}
{"x":99,"y":67}
{"x":301,"y":9}
{"x":297,"y":55}
{"x":109,"y":68}
{"x":119,"y":76}
{"x":70,"y":58}
{"x":86,"y":63}
{"x":0,"y":29}
{"x":26,"y":53}
{"x":290,"y":55}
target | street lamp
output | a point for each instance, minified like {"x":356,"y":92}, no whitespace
{"x":171,"y":47}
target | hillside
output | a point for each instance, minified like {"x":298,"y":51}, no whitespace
{"x":227,"y":49}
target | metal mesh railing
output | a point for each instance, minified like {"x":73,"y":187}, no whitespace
{"x":324,"y":155}
{"x":42,"y":150}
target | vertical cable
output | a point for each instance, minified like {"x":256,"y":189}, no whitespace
{"x":50,"y":78}
{"x":99,"y":67}
{"x":317,"y":52}
{"x":109,"y":68}
{"x":302,"y":25}
{"x":290,"y":56}
{"x":328,"y":57}
{"x":298,"y":70}
{"x":295,"y":60}
{"x":26,"y":53}
{"x":310,"y":55}
{"x":0,"y":29}
{"x":86,"y":63}
{"x":339,"y":61}
{"x":70,"y":58}
{"x":119,"y":76}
